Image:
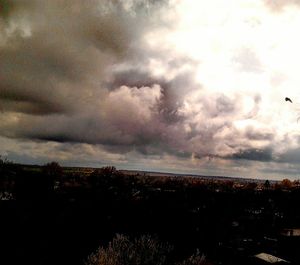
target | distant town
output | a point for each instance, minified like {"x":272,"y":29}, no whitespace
{"x":66,"y":214}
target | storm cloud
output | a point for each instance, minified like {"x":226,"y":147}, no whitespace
{"x":110,"y":77}
{"x":74,"y":73}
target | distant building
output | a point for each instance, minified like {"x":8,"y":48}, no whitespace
{"x":264,"y":258}
{"x":290,"y":242}
{"x":291,"y":232}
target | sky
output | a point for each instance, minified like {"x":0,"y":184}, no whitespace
{"x":180,"y":86}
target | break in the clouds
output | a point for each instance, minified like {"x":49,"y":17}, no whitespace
{"x":181,"y":86}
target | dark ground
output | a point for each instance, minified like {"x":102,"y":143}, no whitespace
{"x":60,"y":217}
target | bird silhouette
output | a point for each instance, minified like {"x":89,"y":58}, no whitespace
{"x":288,"y":99}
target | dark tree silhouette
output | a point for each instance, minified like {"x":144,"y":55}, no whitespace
{"x":267,"y":184}
{"x":53,"y":169}
{"x":144,"y":250}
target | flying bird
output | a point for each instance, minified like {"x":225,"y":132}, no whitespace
{"x":288,"y":99}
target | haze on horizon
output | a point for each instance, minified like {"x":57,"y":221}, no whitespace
{"x":178,"y":86}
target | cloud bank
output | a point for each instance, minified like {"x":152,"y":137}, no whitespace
{"x":121,"y":82}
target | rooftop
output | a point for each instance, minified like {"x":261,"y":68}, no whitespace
{"x":270,"y":258}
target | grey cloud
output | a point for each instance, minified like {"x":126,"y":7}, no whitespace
{"x":173,"y":91}
{"x":62,"y":69}
{"x":219,"y":105}
{"x":133,"y":78}
{"x":83,"y":75}
{"x":123,"y":117}
{"x":252,"y":134}
{"x":67,"y":45}
{"x":31,"y":106}
{"x":225,"y":105}
{"x":265,"y":155}
{"x":290,"y":156}
{"x":124,"y":130}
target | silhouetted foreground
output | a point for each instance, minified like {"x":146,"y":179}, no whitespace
{"x":54,"y":215}
{"x":144,"y":250}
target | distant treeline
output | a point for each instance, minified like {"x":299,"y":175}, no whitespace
{"x":31,"y":181}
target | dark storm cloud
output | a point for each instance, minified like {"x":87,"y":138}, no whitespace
{"x":49,"y":48}
{"x":264,"y":155}
{"x":133,"y":78}
{"x":83,"y":73}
